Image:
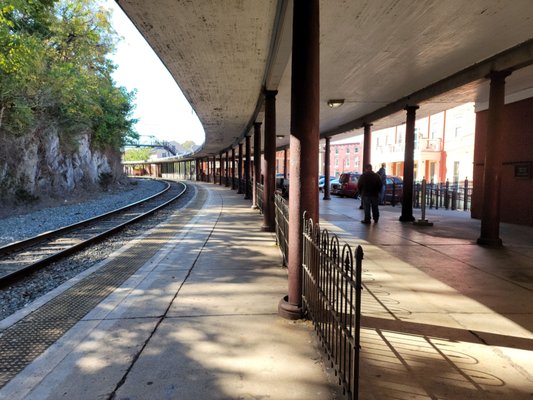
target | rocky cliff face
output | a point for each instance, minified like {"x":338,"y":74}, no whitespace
{"x":38,"y":165}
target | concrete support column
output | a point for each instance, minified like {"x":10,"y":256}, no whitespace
{"x":490,"y":212}
{"x":239,"y":175}
{"x":247,"y":164}
{"x":408,"y":165}
{"x":257,"y":162}
{"x":270,"y":161}
{"x":327,"y":195}
{"x":304,"y":142}
{"x":233,"y":186}
{"x":367,"y":144}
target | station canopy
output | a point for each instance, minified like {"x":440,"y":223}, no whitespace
{"x":376,"y":55}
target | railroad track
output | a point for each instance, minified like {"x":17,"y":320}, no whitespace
{"x":23,"y":257}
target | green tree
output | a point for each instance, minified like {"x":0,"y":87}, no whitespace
{"x":140,"y":154}
{"x":187,"y":145}
{"x":24,"y":27}
{"x":54,"y":68}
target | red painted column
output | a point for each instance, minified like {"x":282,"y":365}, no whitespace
{"x":270,"y":161}
{"x":233,"y":186}
{"x":367,"y":144}
{"x":490,"y":212}
{"x":304,"y":142}
{"x":207,"y":173}
{"x":284,"y":163}
{"x":409,"y":165}
{"x":214,"y":169}
{"x":227,"y":169}
{"x":327,"y":161}
{"x":247,"y":164}
{"x":221,"y":168}
{"x":257,"y":162}
{"x":239,"y":175}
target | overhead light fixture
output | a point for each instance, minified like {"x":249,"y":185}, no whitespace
{"x":335,"y":103}
{"x":280,"y":136}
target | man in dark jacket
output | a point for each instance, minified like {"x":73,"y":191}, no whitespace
{"x":369,"y":186}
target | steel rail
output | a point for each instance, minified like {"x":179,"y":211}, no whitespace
{"x":24,"y":243}
{"x":18,"y":274}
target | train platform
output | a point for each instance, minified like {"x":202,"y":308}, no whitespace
{"x":443,"y":318}
{"x":194,"y":314}
{"x":196,"y":318}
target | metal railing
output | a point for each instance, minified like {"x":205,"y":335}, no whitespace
{"x":259,"y":189}
{"x":450,"y":196}
{"x":331,"y":295}
{"x":282,"y":226}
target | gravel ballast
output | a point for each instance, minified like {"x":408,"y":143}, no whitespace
{"x":27,"y":224}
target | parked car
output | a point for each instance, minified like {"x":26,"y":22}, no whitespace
{"x":282,"y":186}
{"x":348,"y":185}
{"x":334,"y":185}
{"x":322,"y":181}
{"x":393,"y":190}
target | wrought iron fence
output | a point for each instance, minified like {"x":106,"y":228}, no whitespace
{"x":248,"y":190}
{"x":331,"y":295}
{"x":259,"y":192}
{"x":450,"y":196}
{"x":282,"y":226}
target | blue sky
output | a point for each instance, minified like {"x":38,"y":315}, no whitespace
{"x":161,"y":108}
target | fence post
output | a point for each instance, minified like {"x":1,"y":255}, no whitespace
{"x":357,"y":334}
{"x":431,"y":193}
{"x":454,"y":197}
{"x":447,"y":195}
{"x":423,"y":221}
{"x":417,"y":195}
{"x":465,"y":204}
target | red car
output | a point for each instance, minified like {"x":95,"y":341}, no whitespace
{"x":348,"y":185}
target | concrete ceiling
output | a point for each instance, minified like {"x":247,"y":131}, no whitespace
{"x":378,"y":55}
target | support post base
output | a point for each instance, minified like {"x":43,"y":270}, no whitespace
{"x":489,"y":242}
{"x":407,"y":218}
{"x":423,"y":222}
{"x":266,"y":228}
{"x":289,"y":311}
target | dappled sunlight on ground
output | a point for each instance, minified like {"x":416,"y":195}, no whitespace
{"x":442,"y":317}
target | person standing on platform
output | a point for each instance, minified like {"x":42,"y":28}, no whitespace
{"x":383,"y":175}
{"x":370,"y":186}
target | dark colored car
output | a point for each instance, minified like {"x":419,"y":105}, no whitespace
{"x":282,"y":186}
{"x":393,"y":190}
{"x":347,"y":185}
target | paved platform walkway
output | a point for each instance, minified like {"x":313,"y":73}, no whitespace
{"x":197,"y":321}
{"x":443,"y":318}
